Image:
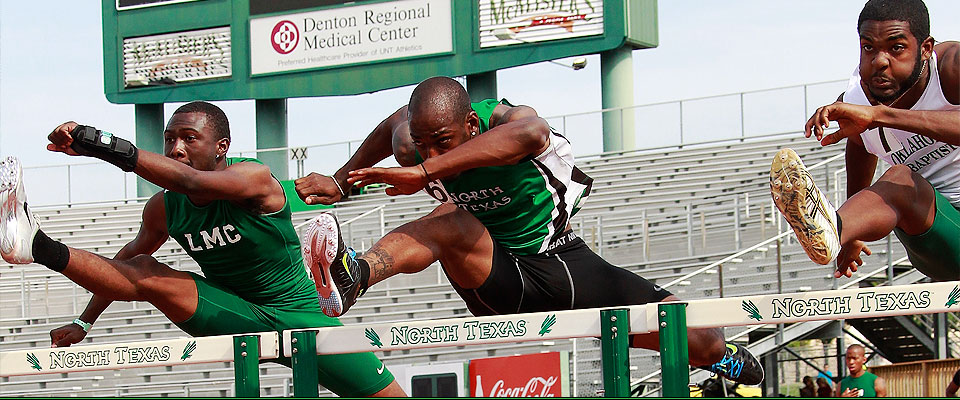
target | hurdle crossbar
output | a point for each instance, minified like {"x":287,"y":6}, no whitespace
{"x":244,"y":350}
{"x":872,"y":302}
{"x":879,"y":301}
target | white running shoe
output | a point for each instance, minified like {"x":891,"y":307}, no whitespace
{"x":331,"y":265}
{"x":18,"y":225}
{"x":808,"y":211}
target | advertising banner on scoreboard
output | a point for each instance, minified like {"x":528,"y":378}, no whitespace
{"x":512,"y":22}
{"x":528,"y":375}
{"x":356,"y":34}
{"x":177,"y":57}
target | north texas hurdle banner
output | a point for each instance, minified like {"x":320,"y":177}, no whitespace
{"x":459,"y":331}
{"x":880,"y":301}
{"x":147,"y":353}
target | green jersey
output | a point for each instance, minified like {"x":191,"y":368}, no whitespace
{"x":863,"y":382}
{"x":255,"y":255}
{"x":525,"y":206}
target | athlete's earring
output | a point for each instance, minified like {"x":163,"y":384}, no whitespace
{"x":474,"y":133}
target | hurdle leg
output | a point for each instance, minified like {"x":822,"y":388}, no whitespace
{"x":304,"y":360}
{"x":246,"y":365}
{"x":674,"y":356}
{"x":615,"y":352}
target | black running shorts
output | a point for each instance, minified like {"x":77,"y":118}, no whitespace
{"x":569,"y":276}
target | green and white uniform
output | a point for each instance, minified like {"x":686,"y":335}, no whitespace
{"x":863,"y":382}
{"x":255,"y":281}
{"x":537,"y":264}
{"x":525,"y":206}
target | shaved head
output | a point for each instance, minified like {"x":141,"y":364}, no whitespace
{"x":441,"y":98}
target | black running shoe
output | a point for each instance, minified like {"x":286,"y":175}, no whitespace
{"x":331,"y":265}
{"x":738,"y":365}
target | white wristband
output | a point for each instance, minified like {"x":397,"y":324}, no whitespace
{"x":85,"y":325}
{"x":342,"y":194}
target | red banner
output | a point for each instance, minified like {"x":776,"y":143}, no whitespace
{"x":530,"y":375}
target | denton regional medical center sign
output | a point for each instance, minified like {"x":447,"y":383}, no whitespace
{"x":350,"y":35}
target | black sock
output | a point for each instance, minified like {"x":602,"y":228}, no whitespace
{"x":364,"y":275}
{"x":839,"y":226}
{"x":50,"y":253}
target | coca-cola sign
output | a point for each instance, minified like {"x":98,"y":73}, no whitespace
{"x":530,"y":375}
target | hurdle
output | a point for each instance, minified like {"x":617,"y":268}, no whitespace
{"x":613,"y":326}
{"x":245,"y":351}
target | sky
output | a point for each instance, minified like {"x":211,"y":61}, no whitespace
{"x":51,"y":71}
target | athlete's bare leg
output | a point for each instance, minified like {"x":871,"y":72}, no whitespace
{"x":899,"y":199}
{"x":141,"y":278}
{"x":465,"y":250}
{"x":448,"y":234}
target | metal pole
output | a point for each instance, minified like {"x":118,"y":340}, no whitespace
{"x":574,"y":375}
{"x":743,"y":130}
{"x":23,"y":295}
{"x":69,"y":198}
{"x":383,"y":227}
{"x":720,"y":278}
{"x":305,"y":381}
{"x":646,"y":235}
{"x":736,"y":222}
{"x":689,"y":231}
{"x":674,"y":358}
{"x":889,"y":260}
{"x":681,"y":124}
{"x":615,"y":351}
{"x":600,"y":235}
{"x":703,"y":232}
{"x":246,"y":365}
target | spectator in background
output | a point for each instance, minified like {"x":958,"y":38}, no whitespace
{"x":826,"y":374}
{"x":823,"y":388}
{"x":860,"y":382}
{"x":808,"y":389}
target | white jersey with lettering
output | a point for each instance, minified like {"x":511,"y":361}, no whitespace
{"x":935,"y":161}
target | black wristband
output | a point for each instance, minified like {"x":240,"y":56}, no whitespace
{"x":90,"y":141}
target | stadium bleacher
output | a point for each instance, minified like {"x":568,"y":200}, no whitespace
{"x":660,"y":213}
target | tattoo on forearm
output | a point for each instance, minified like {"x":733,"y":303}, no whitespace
{"x":381,"y":263}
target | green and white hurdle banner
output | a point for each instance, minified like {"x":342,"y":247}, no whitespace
{"x":881,"y":301}
{"x":245,"y":350}
{"x":670,"y":319}
{"x":455,"y":332}
{"x":304,"y":344}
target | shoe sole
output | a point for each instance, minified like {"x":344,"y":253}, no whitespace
{"x":791,"y":187}
{"x":319,"y":243}
{"x":11,"y":176}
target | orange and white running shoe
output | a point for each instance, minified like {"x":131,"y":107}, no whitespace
{"x":331,"y":264}
{"x":803,"y":205}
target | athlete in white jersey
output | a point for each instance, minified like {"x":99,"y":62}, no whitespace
{"x":502,"y":236}
{"x":902,"y":106}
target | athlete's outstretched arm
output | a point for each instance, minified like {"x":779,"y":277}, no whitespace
{"x":152,"y":235}
{"x":391,"y":136}
{"x":518,"y":133}
{"x":241,"y":181}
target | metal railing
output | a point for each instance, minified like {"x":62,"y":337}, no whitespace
{"x":702,"y":120}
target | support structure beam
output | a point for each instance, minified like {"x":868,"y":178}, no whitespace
{"x":149,"y":126}
{"x":272,"y":134}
